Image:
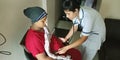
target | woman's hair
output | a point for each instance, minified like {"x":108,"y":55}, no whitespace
{"x":71,"y":5}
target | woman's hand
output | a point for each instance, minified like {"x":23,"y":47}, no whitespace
{"x":62,"y":50}
{"x":62,"y":39}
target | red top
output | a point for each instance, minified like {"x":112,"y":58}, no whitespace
{"x":35,"y":43}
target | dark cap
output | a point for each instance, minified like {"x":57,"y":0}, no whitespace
{"x":34,"y":13}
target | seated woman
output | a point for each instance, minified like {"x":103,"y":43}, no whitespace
{"x":40,"y":43}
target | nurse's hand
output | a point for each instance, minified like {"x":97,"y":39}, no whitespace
{"x":62,"y":39}
{"x":62,"y":50}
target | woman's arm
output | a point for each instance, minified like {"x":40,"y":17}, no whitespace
{"x":71,"y":32}
{"x":73,"y":45}
{"x":43,"y":56}
{"x":77,"y":42}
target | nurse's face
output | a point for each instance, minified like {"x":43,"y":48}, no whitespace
{"x":70,"y":14}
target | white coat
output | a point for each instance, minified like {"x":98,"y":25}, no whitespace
{"x":93,"y":26}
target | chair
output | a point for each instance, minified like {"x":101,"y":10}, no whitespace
{"x":110,"y":50}
{"x":27,"y":54}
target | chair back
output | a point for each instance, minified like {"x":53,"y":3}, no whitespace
{"x":28,"y":55}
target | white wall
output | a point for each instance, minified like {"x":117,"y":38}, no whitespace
{"x":13,"y":25}
{"x":51,"y":13}
{"x":53,"y":9}
{"x":110,"y":9}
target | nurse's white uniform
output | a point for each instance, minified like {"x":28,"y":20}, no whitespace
{"x":92,"y":26}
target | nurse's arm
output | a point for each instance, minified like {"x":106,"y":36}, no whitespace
{"x":71,"y":32}
{"x":77,"y":42}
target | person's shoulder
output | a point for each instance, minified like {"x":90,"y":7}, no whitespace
{"x":32,"y":33}
{"x":86,"y":8}
{"x":89,"y":10}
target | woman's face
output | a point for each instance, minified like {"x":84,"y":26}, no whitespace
{"x":70,"y":14}
{"x":41,"y":23}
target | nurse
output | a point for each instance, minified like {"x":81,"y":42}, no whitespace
{"x":93,"y":29}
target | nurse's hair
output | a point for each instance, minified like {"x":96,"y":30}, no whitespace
{"x":71,"y":5}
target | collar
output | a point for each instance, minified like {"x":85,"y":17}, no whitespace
{"x":81,"y":13}
{"x":77,"y":19}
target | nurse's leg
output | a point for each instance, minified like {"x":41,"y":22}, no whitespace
{"x":89,"y":54}
{"x":82,"y":49}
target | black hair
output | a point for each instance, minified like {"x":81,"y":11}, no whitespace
{"x":71,"y":5}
